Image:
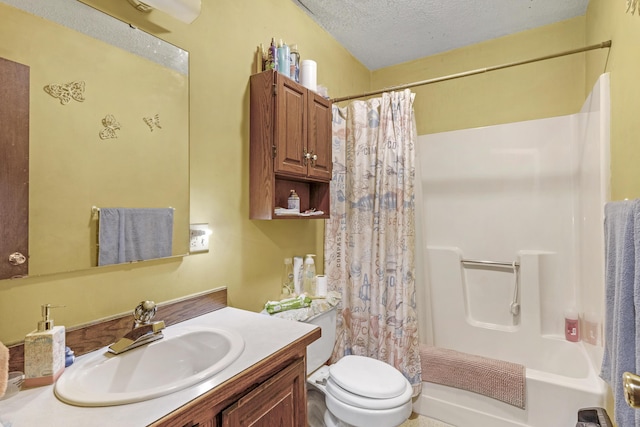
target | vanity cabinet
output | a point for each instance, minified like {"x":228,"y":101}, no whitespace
{"x":277,"y":402}
{"x":272,"y":393}
{"x":290,"y":146}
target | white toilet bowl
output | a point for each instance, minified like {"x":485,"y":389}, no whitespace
{"x":358,"y":391}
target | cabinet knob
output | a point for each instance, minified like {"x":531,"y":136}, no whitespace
{"x":17,"y":258}
{"x":306,"y":156}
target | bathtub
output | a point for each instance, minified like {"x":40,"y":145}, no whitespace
{"x":556,"y":388}
{"x":528,"y":195}
{"x":561,"y":376}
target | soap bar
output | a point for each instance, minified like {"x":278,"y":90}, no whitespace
{"x":44,"y":357}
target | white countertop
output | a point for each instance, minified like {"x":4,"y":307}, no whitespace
{"x":263,"y":336}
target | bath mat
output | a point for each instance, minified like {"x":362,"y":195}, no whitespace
{"x":504,"y":381}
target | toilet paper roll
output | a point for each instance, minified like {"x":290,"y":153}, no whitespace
{"x":309,"y":74}
{"x":321,"y":285}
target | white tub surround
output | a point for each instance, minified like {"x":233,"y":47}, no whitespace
{"x":530,"y":196}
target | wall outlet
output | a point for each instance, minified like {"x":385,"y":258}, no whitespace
{"x":199,"y":238}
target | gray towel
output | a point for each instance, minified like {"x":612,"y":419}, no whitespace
{"x":127,"y":235}
{"x":622,"y":299}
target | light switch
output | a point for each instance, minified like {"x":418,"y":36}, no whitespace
{"x":199,"y":238}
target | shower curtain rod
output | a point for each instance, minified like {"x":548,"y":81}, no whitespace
{"x":606,"y":44}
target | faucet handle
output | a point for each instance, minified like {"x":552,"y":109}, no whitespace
{"x":144,"y":312}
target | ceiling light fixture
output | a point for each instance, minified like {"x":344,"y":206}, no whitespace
{"x":184,"y":10}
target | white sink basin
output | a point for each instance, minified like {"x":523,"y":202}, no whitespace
{"x":185,"y":356}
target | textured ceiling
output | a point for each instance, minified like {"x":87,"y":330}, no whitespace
{"x":380,"y":33}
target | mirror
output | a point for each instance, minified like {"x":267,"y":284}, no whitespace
{"x":108,"y":126}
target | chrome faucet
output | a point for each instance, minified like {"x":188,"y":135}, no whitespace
{"x":144,"y":331}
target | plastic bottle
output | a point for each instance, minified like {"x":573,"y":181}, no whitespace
{"x":272,"y":56}
{"x":294,"y":63}
{"x":572,"y":325}
{"x":287,"y":278}
{"x":293,"y":202}
{"x":283,"y":59}
{"x":297,"y":274}
{"x":309,"y":276}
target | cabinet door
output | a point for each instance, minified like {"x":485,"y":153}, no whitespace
{"x":291,"y":127}
{"x":280,"y":401}
{"x":319,"y":137}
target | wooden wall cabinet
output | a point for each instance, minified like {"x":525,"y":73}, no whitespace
{"x":290,"y":146}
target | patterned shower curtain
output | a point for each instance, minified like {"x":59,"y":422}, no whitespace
{"x":369,"y":240}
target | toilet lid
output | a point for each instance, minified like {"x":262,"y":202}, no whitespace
{"x":352,"y":399}
{"x":368,"y":377}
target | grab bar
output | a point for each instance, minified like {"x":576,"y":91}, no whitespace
{"x":515,"y":265}
{"x":494,"y":263}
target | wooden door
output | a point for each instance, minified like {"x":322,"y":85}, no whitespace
{"x":279,"y":402}
{"x":14,"y":167}
{"x":319,"y":137}
{"x":291,"y":128}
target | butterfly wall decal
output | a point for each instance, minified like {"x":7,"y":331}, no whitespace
{"x":153,"y":122}
{"x":111,"y":125}
{"x":66,"y":92}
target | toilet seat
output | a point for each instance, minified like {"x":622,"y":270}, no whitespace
{"x":367,"y":377}
{"x":352,"y":399}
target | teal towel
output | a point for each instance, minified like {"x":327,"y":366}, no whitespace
{"x":136,"y":234}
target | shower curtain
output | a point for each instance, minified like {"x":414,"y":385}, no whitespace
{"x":369,"y":240}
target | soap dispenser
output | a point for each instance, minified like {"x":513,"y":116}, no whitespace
{"x":44,"y":351}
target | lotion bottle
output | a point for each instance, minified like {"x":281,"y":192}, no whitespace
{"x":44,"y":351}
{"x":309,"y":276}
{"x":572,"y":325}
{"x":284,"y":67}
{"x":294,"y":66}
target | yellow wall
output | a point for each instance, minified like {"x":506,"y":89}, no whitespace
{"x":608,"y":20}
{"x":246,"y":256}
{"x":533,"y":91}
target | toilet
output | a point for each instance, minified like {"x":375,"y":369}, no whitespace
{"x":355,"y":391}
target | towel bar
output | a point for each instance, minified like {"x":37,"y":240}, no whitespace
{"x":493,"y":263}
{"x":96,"y":210}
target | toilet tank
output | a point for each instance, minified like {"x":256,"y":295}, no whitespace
{"x":319,"y":351}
